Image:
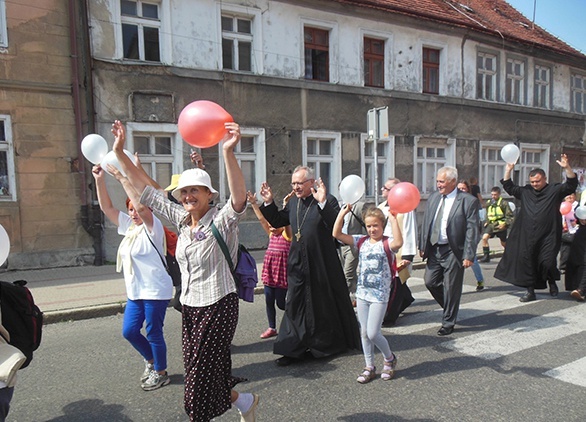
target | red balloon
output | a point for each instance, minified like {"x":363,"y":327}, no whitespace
{"x":403,"y":198}
{"x":565,"y":208}
{"x":201,"y":123}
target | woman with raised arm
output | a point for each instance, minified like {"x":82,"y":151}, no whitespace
{"x":208,"y":291}
{"x":148,"y":285}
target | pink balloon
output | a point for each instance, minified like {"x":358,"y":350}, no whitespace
{"x":565,"y":208}
{"x":201,"y":123}
{"x":403,"y":198}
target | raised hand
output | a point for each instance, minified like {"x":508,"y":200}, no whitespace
{"x":266,"y":193}
{"x":119,"y":133}
{"x":320,"y":194}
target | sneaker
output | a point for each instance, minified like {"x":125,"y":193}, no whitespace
{"x":148,"y":368}
{"x":270,"y":332}
{"x":577,"y":294}
{"x":155,"y":380}
{"x":480,"y":286}
{"x":250,"y":416}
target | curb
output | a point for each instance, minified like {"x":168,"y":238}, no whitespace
{"x":99,"y":311}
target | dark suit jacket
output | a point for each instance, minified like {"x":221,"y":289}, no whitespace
{"x":462,"y":227}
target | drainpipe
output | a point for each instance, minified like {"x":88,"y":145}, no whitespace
{"x":91,"y":216}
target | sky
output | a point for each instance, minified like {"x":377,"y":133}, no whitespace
{"x":562,"y":18}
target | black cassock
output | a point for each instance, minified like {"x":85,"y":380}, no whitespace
{"x":318,"y":312}
{"x":530,"y":257}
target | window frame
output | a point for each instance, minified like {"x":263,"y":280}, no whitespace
{"x":157,"y":129}
{"x":165,"y":42}
{"x":494,"y":75}
{"x":370,"y":58}
{"x":574,"y":92}
{"x":252,"y":14}
{"x":511,"y":94}
{"x":449,"y":160}
{"x":522,"y":169}
{"x":10,"y":164}
{"x":385,"y":167}
{"x":486,"y":184}
{"x":387,"y":38}
{"x":335,"y":160}
{"x":538,"y":82}
{"x":260,"y":170}
{"x":427,"y":66}
{"x":333,"y":40}
{"x":3,"y":25}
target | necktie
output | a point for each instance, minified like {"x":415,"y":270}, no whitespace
{"x":437,"y":224}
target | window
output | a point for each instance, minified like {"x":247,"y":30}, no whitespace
{"x":431,"y":61}
{"x":486,"y":78}
{"x":3,"y":26}
{"x":532,"y":156}
{"x":542,"y":87}
{"x":250,"y":153}
{"x":382,"y":171}
{"x":374,"y":62}
{"x":322,"y":152}
{"x":7,"y":174}
{"x":159,"y":147}
{"x":578,"y":94}
{"x":431,"y":155}
{"x":492,"y":166}
{"x":140,"y":30}
{"x":317,"y":61}
{"x":515,"y":85}
{"x":236,"y":43}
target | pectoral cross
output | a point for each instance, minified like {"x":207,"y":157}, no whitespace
{"x":298,"y":235}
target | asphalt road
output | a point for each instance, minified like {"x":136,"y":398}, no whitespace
{"x":506,"y":361}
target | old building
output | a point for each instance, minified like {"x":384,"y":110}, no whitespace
{"x":458,"y":79}
{"x":43,"y":193}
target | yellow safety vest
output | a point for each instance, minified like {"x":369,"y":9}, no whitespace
{"x":494,"y":212}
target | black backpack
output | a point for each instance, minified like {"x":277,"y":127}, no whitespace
{"x":21,"y":317}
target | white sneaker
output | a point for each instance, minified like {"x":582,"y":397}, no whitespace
{"x":155,"y":381}
{"x":148,"y":368}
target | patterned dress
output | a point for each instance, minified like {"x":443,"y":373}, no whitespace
{"x":274,"y":269}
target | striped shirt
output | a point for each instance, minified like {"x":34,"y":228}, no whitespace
{"x":205,"y":274}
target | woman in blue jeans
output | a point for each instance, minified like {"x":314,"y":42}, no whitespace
{"x":148,"y":285}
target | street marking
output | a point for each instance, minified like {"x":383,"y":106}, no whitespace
{"x":412,"y":323}
{"x":498,"y":342}
{"x":573,"y":372}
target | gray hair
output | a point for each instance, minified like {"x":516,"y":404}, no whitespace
{"x":309,"y":172}
{"x":450,"y":172}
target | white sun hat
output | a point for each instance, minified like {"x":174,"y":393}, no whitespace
{"x":194,"y":177}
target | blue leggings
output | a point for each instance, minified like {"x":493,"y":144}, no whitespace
{"x":272,"y":296}
{"x":153,"y":345}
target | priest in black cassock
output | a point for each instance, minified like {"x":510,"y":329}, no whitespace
{"x":530,"y":258}
{"x":319,"y":318}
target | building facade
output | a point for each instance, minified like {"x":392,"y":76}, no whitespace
{"x":458,"y":80}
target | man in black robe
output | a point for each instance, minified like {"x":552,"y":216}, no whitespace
{"x":530,"y":259}
{"x":319,"y":318}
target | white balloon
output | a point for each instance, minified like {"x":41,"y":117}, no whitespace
{"x":111,"y":159}
{"x":94,"y":148}
{"x":351,"y":189}
{"x":510,"y":153}
{"x":4,"y":245}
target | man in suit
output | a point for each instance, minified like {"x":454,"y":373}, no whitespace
{"x":448,"y":240}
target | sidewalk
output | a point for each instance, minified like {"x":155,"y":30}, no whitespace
{"x":74,"y":293}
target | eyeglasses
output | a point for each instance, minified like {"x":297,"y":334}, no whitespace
{"x":385,"y":188}
{"x":295,"y":184}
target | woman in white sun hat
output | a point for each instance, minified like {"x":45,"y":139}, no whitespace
{"x":209,"y":298}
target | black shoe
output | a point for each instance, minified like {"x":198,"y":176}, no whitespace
{"x":445,"y":331}
{"x":284,"y":361}
{"x":528,"y":297}
{"x":553,"y":289}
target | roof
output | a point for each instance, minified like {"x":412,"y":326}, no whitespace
{"x":493,"y":17}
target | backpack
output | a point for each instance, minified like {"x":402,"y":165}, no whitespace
{"x":245,"y":274}
{"x":21,"y":317}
